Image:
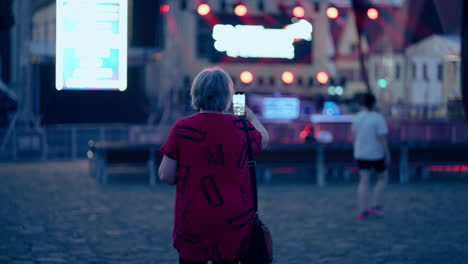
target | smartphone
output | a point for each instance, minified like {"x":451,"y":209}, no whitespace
{"x":238,"y":103}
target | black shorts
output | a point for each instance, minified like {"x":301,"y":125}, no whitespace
{"x":377,"y":165}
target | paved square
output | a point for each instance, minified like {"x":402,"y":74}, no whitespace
{"x":57,"y":213}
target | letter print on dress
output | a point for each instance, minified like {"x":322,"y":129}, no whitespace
{"x":172,"y":154}
{"x":190,"y":133}
{"x":211,"y":191}
{"x":214,"y":161}
{"x":215,"y":256}
{"x":187,"y":236}
{"x":239,"y":125}
{"x":257,"y":143}
{"x":243,"y":157}
{"x":182,"y":176}
{"x":244,"y":196}
{"x":186,"y":209}
{"x":241,"y":220}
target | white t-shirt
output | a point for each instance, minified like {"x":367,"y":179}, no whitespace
{"x":367,"y":127}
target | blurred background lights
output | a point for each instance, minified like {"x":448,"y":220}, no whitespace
{"x":332,"y":12}
{"x":372,"y":13}
{"x":299,"y":12}
{"x":164,"y":8}
{"x":322,"y":77}
{"x":339,"y":90}
{"x":246,"y":77}
{"x":287,"y":77}
{"x":203,"y":9}
{"x":240,"y":10}
{"x":382,"y":83}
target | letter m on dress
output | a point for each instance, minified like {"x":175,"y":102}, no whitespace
{"x":215,"y":159}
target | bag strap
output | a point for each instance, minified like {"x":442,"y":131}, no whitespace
{"x":251,"y":163}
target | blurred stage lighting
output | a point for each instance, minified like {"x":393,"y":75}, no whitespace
{"x":299,"y":12}
{"x":322,"y":77}
{"x":240,"y":10}
{"x":246,"y":77}
{"x":372,"y":13}
{"x":382,"y":83}
{"x":332,"y":12}
{"x":164,"y":8}
{"x":339,"y":90}
{"x":203,"y":9}
{"x":287,"y":77}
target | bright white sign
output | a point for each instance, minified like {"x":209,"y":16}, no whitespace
{"x":281,"y":108}
{"x":91,"y":48}
{"x":254,"y":41}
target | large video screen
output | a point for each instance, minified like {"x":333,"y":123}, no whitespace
{"x":91,"y":47}
{"x":281,"y":108}
{"x":265,"y":39}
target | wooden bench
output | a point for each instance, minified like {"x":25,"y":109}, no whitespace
{"x":103,"y":155}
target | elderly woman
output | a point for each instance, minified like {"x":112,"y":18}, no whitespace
{"x":205,"y":155}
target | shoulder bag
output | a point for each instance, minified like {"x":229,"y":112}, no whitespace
{"x":260,"y":245}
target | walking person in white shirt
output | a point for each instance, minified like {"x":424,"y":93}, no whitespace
{"x":371,"y":153}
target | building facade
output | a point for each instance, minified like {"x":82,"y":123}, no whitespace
{"x":423,"y":80}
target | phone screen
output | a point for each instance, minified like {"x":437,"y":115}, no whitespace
{"x":238,"y":103}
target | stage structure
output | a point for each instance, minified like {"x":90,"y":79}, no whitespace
{"x":269,"y":48}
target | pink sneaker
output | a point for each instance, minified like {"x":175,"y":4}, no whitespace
{"x":375,"y":211}
{"x":363,"y":216}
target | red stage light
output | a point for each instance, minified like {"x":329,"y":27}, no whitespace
{"x":164,"y":8}
{"x":246,"y":77}
{"x":372,"y":13}
{"x":287,"y":77}
{"x":299,"y":12}
{"x":322,"y":77}
{"x":332,"y":12}
{"x":203,"y":9}
{"x":240,"y":10}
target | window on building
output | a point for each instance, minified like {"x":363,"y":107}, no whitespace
{"x":414,"y":70}
{"x":397,"y":71}
{"x":454,"y":65}
{"x":300,"y":81}
{"x":260,"y":80}
{"x":349,"y":74}
{"x":376,"y":70}
{"x":425,"y":75}
{"x":272,"y":81}
{"x":440,"y":72}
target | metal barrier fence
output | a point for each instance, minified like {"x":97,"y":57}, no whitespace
{"x":70,"y":142}
{"x":399,"y":131}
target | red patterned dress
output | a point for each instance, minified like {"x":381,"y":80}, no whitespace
{"x":214,"y":206}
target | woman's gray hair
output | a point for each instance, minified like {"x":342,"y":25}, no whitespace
{"x":212,"y":90}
